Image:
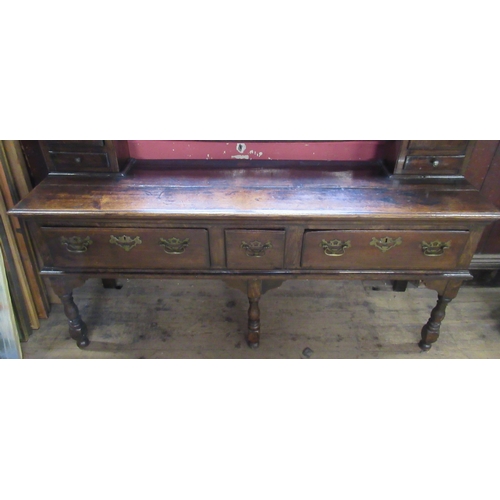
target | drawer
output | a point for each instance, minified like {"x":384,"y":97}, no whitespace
{"x":127,"y":248}
{"x":79,"y":162}
{"x":452,"y":147}
{"x":434,"y":164}
{"x":246,"y":249}
{"x":368,"y":249}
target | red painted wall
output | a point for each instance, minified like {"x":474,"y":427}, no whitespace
{"x":259,"y":150}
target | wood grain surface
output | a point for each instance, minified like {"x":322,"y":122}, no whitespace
{"x":217,"y":191}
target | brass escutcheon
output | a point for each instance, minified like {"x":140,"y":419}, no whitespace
{"x":255,"y":248}
{"x":174,"y":246}
{"x":385,"y":244}
{"x":76,"y":244}
{"x":435,"y":248}
{"x":335,"y":248}
{"x":125,"y":242}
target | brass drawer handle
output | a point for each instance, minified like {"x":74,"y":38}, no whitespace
{"x":385,"y":244}
{"x":435,"y":248}
{"x":335,"y":248}
{"x":174,"y":246}
{"x":125,"y":242}
{"x":255,"y":248}
{"x":76,"y":244}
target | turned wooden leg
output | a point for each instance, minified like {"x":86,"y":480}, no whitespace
{"x":447,"y":291}
{"x":254,"y":290}
{"x":77,"y":328}
{"x":430,"y":331}
{"x":63,"y":287}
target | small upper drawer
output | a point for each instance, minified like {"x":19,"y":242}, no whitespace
{"x":246,"y":249}
{"x":370,"y":249}
{"x":79,"y":162}
{"x":452,"y":147}
{"x":127,"y":248}
{"x":434,"y":164}
{"x":85,"y":157}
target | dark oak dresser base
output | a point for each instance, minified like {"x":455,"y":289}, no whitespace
{"x":255,"y":227}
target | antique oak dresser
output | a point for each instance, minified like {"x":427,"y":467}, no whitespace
{"x":408,"y":215}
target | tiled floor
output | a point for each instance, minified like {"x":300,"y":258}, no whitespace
{"x":206,"y":319}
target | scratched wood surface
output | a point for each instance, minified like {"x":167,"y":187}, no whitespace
{"x":247,"y":193}
{"x":206,"y":319}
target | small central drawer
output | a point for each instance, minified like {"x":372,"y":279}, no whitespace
{"x":370,"y":249}
{"x":127,"y":248}
{"x":259,"y":249}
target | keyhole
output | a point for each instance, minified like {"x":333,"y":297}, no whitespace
{"x":240,"y":147}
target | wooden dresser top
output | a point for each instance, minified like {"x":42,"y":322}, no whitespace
{"x":278,"y":190}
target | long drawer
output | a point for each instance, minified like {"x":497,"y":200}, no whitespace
{"x":127,"y":248}
{"x":369,"y":249}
